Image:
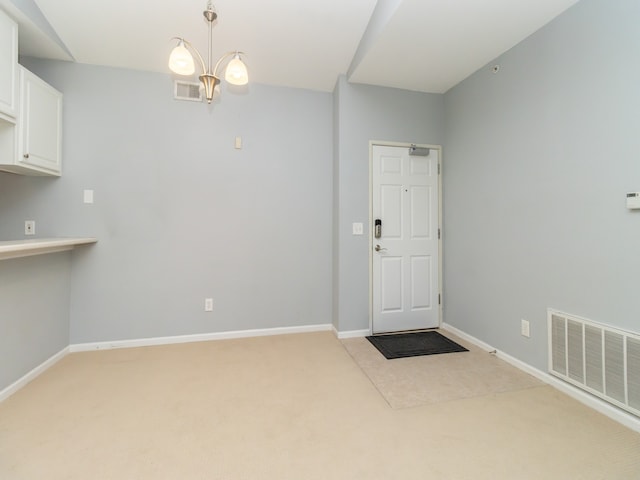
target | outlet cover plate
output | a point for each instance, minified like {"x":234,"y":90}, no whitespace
{"x":29,"y":227}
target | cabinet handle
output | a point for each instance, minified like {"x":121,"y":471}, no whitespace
{"x":26,"y":155}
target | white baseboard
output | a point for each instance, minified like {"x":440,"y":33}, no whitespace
{"x":146,"y":342}
{"x":200,"y":337}
{"x":626,"y":419}
{"x":607,"y":409}
{"x":21,"y":382}
{"x":467,"y":337}
{"x":350,"y":333}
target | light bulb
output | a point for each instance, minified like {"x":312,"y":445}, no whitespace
{"x":236,"y":73}
{"x":181,"y":61}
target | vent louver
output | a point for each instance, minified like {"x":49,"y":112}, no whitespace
{"x":187,"y":91}
{"x":602,"y":360}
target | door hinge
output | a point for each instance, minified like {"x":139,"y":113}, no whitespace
{"x":438,"y":169}
{"x":439,"y":300}
{"x":438,"y":234}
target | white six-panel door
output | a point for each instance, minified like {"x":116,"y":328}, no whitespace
{"x":405,"y":276}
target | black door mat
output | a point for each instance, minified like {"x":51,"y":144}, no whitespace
{"x":401,"y":345}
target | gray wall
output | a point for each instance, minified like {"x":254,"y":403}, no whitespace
{"x":179,"y":213}
{"x":34,"y":312}
{"x":335,"y":317}
{"x":538,"y":160}
{"x":368,"y":113}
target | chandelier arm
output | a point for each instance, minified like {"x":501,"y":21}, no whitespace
{"x":224,"y":57}
{"x":193,"y":49}
{"x":209,"y":45}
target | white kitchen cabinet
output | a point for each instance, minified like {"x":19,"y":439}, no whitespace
{"x":39,"y":125}
{"x":8,"y":67}
{"x":33,"y":146}
{"x":30,"y":113}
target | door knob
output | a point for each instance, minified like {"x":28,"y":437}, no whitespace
{"x":378,"y":248}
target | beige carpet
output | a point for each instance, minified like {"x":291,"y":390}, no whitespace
{"x":287,"y":407}
{"x":408,"y":382}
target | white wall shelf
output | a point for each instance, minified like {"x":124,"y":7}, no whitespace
{"x":39,"y":246}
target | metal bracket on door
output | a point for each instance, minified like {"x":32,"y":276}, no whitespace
{"x":377,"y":229}
{"x":415,"y":151}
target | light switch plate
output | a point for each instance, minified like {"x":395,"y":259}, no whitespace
{"x":524,"y":328}
{"x":208,"y":304}
{"x":88,"y":196}
{"x":358,"y":229}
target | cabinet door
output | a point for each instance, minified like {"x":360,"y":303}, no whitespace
{"x":40,"y":123}
{"x":8,"y":65}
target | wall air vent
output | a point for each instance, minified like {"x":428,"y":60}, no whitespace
{"x":187,"y":91}
{"x":602,"y":360}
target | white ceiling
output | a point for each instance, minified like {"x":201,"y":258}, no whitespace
{"x":422,"y":45}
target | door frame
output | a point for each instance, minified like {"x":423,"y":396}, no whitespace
{"x":381,"y":143}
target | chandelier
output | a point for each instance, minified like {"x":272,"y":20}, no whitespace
{"x":181,"y":61}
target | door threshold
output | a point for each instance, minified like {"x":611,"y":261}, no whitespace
{"x":404,"y":331}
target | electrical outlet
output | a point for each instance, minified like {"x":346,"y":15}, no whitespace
{"x":29,"y":227}
{"x":524,"y":328}
{"x":208,"y":304}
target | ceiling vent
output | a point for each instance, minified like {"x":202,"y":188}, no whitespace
{"x":187,"y":91}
